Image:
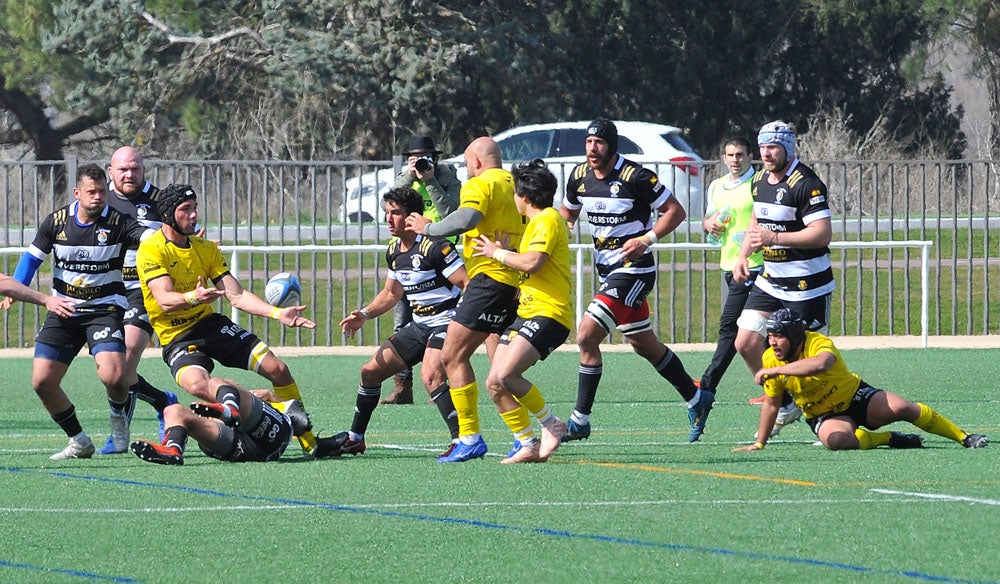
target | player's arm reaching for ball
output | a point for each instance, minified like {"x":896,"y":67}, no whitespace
{"x":385,"y":300}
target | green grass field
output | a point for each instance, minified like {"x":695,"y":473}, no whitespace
{"x":635,"y":503}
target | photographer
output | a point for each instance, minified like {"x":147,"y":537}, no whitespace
{"x":439,"y":187}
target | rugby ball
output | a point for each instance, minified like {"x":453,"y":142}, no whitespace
{"x":283,"y":290}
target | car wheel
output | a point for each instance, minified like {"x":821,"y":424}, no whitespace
{"x":360,"y":217}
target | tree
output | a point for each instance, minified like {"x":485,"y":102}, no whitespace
{"x":308,"y":79}
{"x":25,"y":70}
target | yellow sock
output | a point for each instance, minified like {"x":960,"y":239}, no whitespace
{"x":535,"y":403}
{"x":871,"y":440}
{"x":466,"y":400}
{"x":519,"y":423}
{"x":935,"y":423}
{"x":291,"y":391}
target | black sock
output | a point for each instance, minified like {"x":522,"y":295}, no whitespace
{"x":586,"y":389}
{"x":68,"y":422}
{"x":442,"y":399}
{"x":671,"y":369}
{"x":175,"y":436}
{"x":228,"y":395}
{"x":149,"y":394}
{"x":364,"y":406}
{"x":128,"y":407}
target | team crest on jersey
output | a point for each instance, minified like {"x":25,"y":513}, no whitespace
{"x":415,"y":262}
{"x":616,"y":187}
{"x":803,"y":285}
{"x":102,"y":236}
{"x":781,"y":195}
{"x":141,"y":211}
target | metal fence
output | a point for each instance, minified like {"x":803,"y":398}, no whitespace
{"x":953,"y":204}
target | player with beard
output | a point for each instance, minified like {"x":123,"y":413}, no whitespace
{"x":619,"y":197}
{"x":791,"y":225}
{"x":836,"y":402}
{"x":182,"y":276}
{"x":131,"y":194}
{"x":87,"y":239}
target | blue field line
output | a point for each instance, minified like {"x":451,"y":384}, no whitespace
{"x":75,"y":573}
{"x":851,"y":568}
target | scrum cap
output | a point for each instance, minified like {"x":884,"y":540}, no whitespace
{"x":787,"y":323}
{"x":778,"y":132}
{"x":171,"y":197}
{"x":605,"y":129}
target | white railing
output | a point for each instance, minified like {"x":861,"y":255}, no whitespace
{"x":580,"y":249}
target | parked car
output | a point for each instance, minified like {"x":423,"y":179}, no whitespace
{"x":656,"y":146}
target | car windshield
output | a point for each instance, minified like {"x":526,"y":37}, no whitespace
{"x":527,"y":146}
{"x":675,"y":140}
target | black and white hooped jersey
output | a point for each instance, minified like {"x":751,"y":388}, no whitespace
{"x":800,"y":198}
{"x":143,"y":208}
{"x":619,"y":207}
{"x":423,"y":272}
{"x":87,"y":258}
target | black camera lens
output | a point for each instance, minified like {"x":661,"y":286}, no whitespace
{"x":423,"y":164}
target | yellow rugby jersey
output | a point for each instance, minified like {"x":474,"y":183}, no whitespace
{"x":548,"y":292}
{"x":492,"y":194}
{"x":829,"y":392}
{"x":157,"y":258}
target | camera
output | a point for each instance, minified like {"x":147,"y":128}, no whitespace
{"x":423,"y":163}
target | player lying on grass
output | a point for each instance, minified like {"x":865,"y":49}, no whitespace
{"x":182,"y":277}
{"x":835,"y":401}
{"x":243,"y":428}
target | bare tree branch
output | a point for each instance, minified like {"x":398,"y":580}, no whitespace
{"x":200,"y":40}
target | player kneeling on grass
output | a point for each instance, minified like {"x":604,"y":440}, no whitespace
{"x":835,"y":401}
{"x":242,"y":428}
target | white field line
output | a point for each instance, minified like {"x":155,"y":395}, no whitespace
{"x":462,"y":504}
{"x":939,"y":497}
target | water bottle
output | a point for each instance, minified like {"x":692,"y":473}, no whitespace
{"x":723,"y":218}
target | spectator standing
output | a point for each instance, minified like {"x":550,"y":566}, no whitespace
{"x":730,"y":196}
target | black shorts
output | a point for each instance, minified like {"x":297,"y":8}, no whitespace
{"x":60,"y":339}
{"x":815,"y":311}
{"x":545,"y":334}
{"x":857,"y":411}
{"x":487,"y":305}
{"x":263,"y":441}
{"x":215,"y":337}
{"x":411,"y":341}
{"x":135,"y":314}
{"x":628,"y":289}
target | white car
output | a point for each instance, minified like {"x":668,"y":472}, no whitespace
{"x":657,"y":147}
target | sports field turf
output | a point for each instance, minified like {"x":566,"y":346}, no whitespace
{"x":635,"y":503}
